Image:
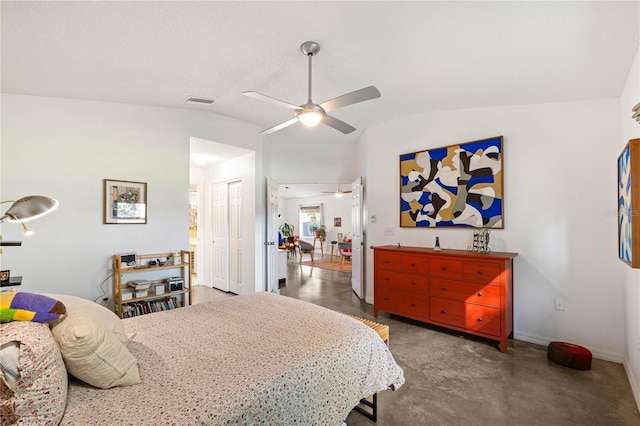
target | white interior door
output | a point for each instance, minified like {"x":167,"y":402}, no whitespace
{"x":271,"y":240}
{"x":358,"y":237}
{"x":219,"y":244}
{"x":235,"y":237}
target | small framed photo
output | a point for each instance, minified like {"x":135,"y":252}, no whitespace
{"x":4,"y":277}
{"x":125,"y":202}
{"x":337,"y":222}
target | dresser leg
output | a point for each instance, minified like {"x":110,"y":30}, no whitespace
{"x":503,"y":345}
{"x":375,"y":311}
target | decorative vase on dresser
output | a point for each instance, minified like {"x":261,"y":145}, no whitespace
{"x":457,"y":289}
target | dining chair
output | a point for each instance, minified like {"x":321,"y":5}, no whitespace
{"x":345,"y":250}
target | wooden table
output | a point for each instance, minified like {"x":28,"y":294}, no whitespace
{"x":321,"y":247}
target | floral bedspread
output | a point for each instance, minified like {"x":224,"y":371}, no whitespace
{"x":246,"y":360}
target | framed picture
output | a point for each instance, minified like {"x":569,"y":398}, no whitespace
{"x":454,"y":186}
{"x":628,"y":204}
{"x":4,"y":277}
{"x":125,"y":202}
{"x":337,"y":222}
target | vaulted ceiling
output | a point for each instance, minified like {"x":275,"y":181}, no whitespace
{"x":422,"y":56}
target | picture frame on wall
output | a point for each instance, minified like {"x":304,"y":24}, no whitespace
{"x":629,"y":204}
{"x":453,"y":186}
{"x":125,"y":202}
{"x":337,"y":222}
{"x":4,"y":277}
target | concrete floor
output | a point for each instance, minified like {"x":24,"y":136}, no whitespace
{"x":455,"y":379}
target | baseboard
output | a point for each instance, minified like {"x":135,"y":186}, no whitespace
{"x":544,"y":341}
{"x":635,"y":386}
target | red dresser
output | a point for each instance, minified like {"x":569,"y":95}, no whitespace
{"x":457,"y":289}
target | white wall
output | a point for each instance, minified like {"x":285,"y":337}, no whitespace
{"x":560,"y":210}
{"x":631,"y":130}
{"x":321,"y":163}
{"x":65,"y":148}
{"x":240,"y":168}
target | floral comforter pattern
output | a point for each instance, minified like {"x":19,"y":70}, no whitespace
{"x":246,"y":360}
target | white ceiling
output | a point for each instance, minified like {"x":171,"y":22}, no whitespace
{"x":422,"y":56}
{"x":298,"y":190}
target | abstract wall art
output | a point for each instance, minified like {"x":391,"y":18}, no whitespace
{"x":453,"y":186}
{"x":628,"y":204}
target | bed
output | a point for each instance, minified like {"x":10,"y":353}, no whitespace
{"x":253,"y":359}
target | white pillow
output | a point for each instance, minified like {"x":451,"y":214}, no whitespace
{"x":93,"y":353}
{"x":111,"y":320}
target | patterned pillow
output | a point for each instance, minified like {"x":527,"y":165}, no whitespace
{"x":21,"y":306}
{"x":39,"y":394}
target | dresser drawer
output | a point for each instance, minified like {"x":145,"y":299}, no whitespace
{"x":476,"y":318}
{"x":400,"y":302}
{"x":484,"y":272}
{"x":410,"y":282}
{"x":486,"y":294}
{"x":388,"y":261}
{"x":415,"y":264}
{"x":448,"y":268}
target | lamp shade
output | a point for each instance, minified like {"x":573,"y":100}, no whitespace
{"x":28,"y":208}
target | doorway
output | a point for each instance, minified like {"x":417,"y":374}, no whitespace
{"x":194,"y":202}
{"x":226,"y":225}
{"x":336,"y":205}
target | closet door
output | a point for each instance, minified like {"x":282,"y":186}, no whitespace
{"x":235,"y":237}
{"x":220,"y":241}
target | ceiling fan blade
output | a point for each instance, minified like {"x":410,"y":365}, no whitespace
{"x":351,"y":98}
{"x":277,"y":127}
{"x":261,"y":97}
{"x":338,"y":124}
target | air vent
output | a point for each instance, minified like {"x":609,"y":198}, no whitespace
{"x":198,"y":100}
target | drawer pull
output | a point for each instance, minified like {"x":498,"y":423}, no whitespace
{"x":387,"y":278}
{"x":480,"y":272}
{"x":444,"y":268}
{"x":386,"y":299}
{"x":387,"y":261}
{"x":413,"y":305}
{"x":413,"y":265}
{"x":479,"y":294}
{"x":444,"y":311}
{"x":413,"y":283}
{"x":480,"y":319}
{"x":444,"y":288}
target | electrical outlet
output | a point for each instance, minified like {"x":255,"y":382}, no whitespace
{"x":559,"y":304}
{"x":389,"y":232}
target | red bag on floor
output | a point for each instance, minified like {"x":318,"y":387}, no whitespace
{"x":569,"y":355}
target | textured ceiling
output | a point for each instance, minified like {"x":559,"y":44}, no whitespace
{"x":422,"y":56}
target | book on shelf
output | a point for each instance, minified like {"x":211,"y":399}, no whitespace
{"x":148,"y":306}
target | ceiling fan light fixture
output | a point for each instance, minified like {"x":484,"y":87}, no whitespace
{"x":310,"y":117}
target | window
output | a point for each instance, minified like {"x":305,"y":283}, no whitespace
{"x":309,"y":215}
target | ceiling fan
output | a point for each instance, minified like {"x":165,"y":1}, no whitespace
{"x":339,"y":193}
{"x":310,"y":114}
